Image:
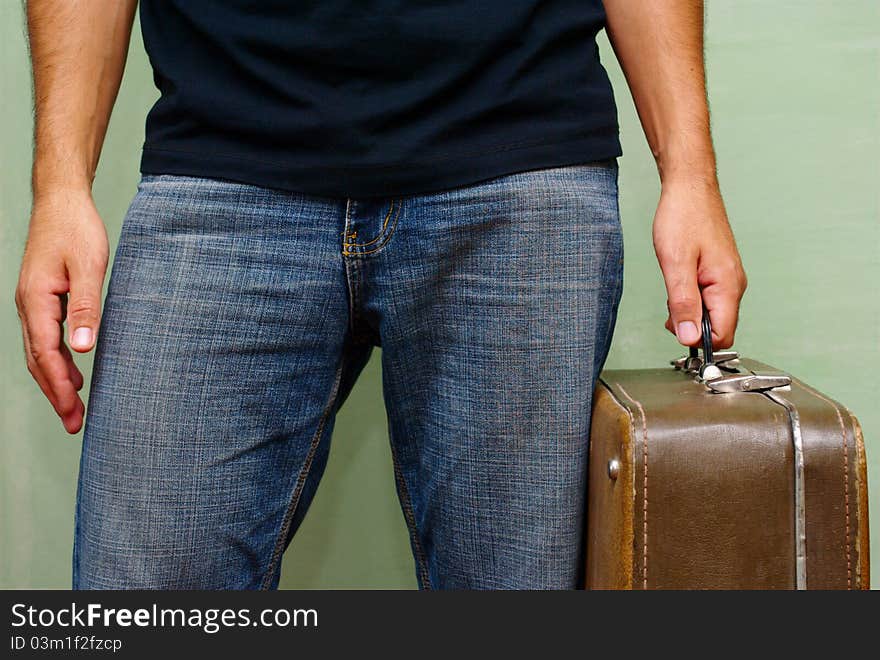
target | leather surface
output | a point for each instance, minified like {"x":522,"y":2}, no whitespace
{"x":831,"y":479}
{"x":709,"y":484}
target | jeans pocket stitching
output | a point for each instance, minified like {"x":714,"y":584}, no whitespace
{"x":354,"y":250}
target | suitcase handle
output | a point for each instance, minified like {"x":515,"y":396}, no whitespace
{"x":709,"y":369}
{"x":707,"y":342}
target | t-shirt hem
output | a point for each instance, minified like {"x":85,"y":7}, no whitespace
{"x":383,"y":181}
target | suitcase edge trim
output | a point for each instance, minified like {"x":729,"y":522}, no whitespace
{"x":627,"y":476}
{"x":863,"y":540}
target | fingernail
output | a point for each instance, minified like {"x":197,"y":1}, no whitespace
{"x":82,"y":337}
{"x":687,"y":333}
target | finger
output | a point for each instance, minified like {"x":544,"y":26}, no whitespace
{"x":668,"y":324}
{"x":73,"y":421}
{"x":76,"y":376}
{"x":33,"y":368}
{"x":84,"y":305}
{"x":44,"y":332}
{"x":684,"y":300}
{"x":71,"y":417}
{"x":723,"y":306}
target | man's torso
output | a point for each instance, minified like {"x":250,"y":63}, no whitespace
{"x":361,"y":98}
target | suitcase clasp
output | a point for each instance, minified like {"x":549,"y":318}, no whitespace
{"x":758,"y":381}
{"x":716,"y":380}
{"x":710,"y":367}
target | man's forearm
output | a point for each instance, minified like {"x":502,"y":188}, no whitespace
{"x":78,"y":51}
{"x":659,"y":44}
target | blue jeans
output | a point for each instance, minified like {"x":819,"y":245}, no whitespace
{"x":237,"y":320}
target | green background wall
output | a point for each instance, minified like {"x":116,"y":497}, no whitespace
{"x":795,"y":96}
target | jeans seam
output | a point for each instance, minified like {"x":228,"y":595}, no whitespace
{"x":409,"y":516}
{"x":75,"y":573}
{"x":351,"y":270}
{"x":615,"y":304}
{"x":619,"y":272}
{"x":278,"y":551}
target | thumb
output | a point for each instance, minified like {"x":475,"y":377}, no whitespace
{"x":84,"y":307}
{"x":685,"y":303}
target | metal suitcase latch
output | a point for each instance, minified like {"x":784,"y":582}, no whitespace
{"x":710,"y":368}
{"x":713,"y":375}
{"x":750,"y":382}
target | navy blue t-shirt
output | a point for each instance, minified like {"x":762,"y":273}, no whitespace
{"x":367,"y":98}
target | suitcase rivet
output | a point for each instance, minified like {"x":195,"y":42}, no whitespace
{"x":613,"y":469}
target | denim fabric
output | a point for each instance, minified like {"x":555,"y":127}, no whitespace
{"x":238,"y":318}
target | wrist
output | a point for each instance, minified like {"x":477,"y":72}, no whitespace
{"x":691,"y":181}
{"x":51,"y":185}
{"x":704,"y":178}
{"x":61,"y":194}
{"x":687,"y":164}
{"x":56,"y":172}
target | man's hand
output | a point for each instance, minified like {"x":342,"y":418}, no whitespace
{"x":78,"y":52}
{"x":660,"y":47}
{"x":61,"y":278}
{"x":697,"y":251}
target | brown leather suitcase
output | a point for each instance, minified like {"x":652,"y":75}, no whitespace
{"x":762,"y":485}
